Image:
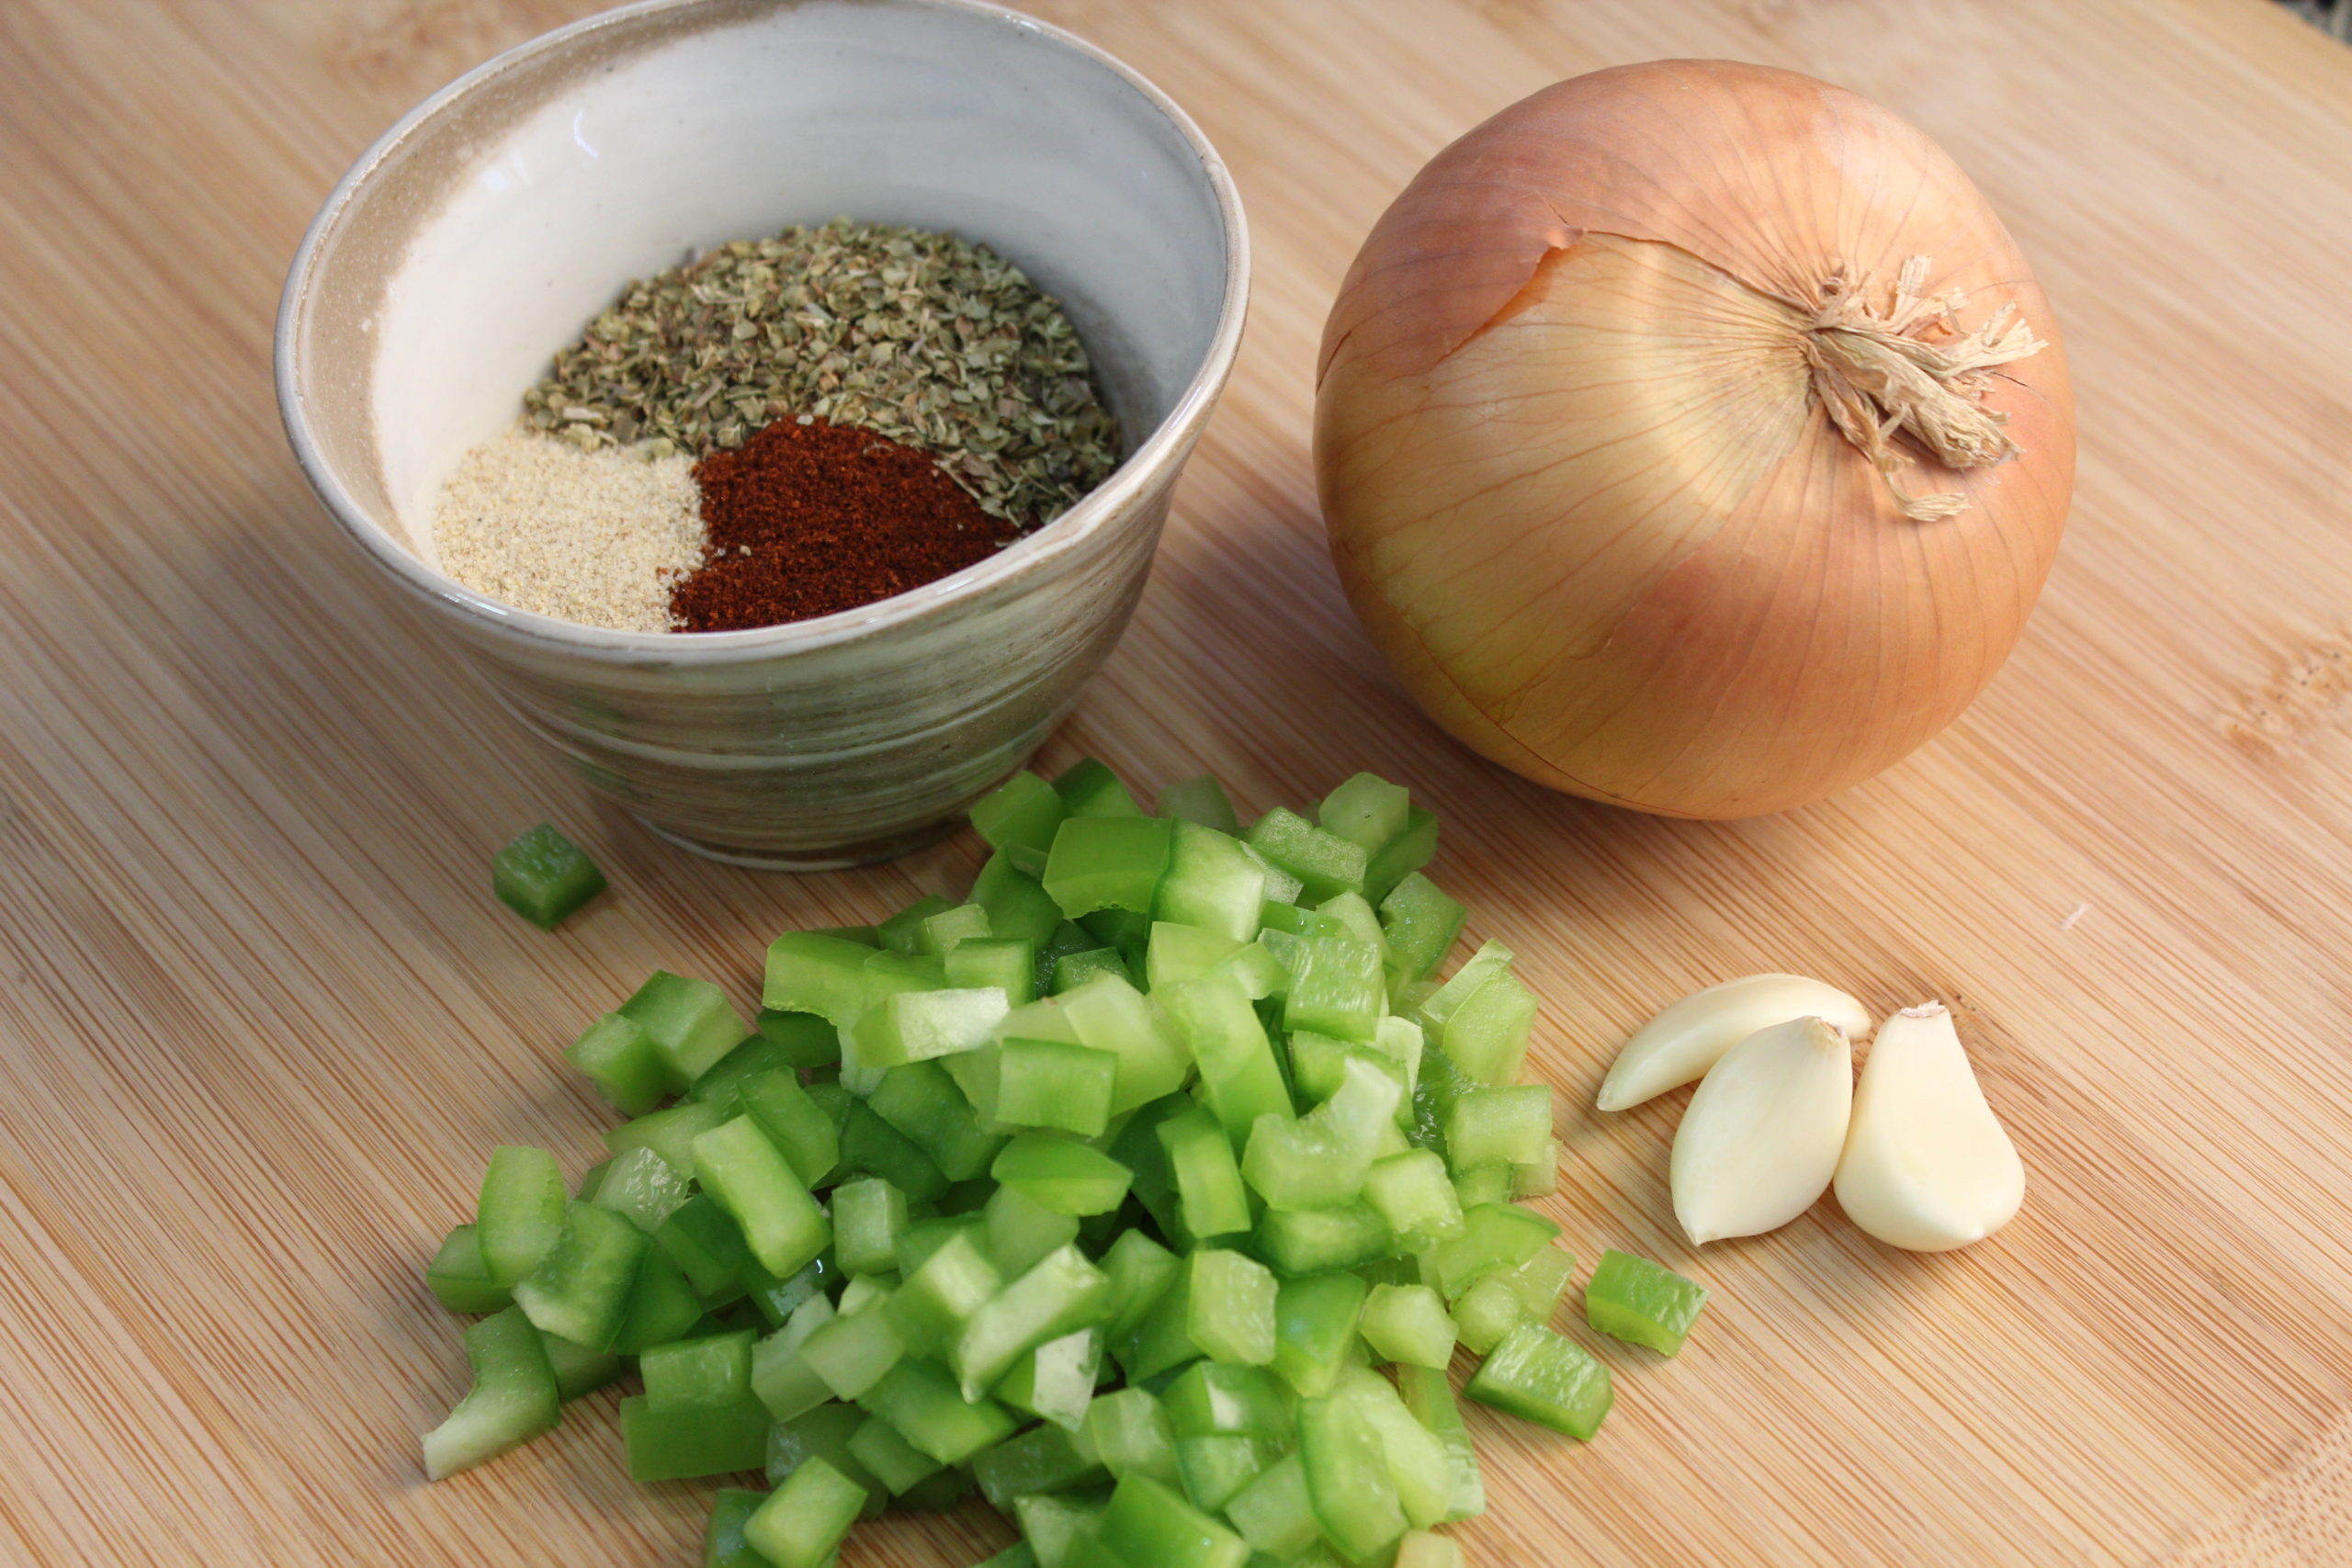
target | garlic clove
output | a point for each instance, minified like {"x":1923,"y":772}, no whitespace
{"x":1761,"y":1138}
{"x":1679,"y":1044}
{"x":1927,"y":1165}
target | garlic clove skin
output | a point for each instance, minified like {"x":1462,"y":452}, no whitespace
{"x":1761,"y":1139}
{"x":1679,"y":1044}
{"x":1927,"y":1165}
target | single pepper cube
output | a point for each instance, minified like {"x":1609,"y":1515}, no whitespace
{"x":580,"y":1290}
{"x":513,"y":1400}
{"x":1422,"y":925}
{"x":1633,"y":1299}
{"x":723,"y":1545}
{"x":1325,"y":865}
{"x":1017,"y":903}
{"x":544,"y":876}
{"x":1062,"y":1176}
{"x":1019,"y":817}
{"x":1411,"y":849}
{"x":459,"y":1278}
{"x":1367,"y":810}
{"x":1088,"y":788}
{"x":1537,"y":1376}
{"x":900,"y":933}
{"x":621,"y":1059}
{"x":804,"y":1520}
{"x":1050,"y":1084}
{"x":692,"y":1022}
{"x":1153,"y":1526}
{"x":1107,"y":863}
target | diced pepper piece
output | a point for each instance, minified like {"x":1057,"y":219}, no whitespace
{"x":924,"y":1237}
{"x":940,"y":934}
{"x":459,"y":1278}
{"x":938,"y":1298}
{"x":544,"y":876}
{"x":670,"y":1134}
{"x":1021,"y":1232}
{"x":1047,"y":1084}
{"x":1059,"y":1530}
{"x":1482,"y":1186}
{"x":1422,"y":924}
{"x":1409,"y":1324}
{"x":854,"y":1349}
{"x":1072,"y":970}
{"x":721,"y":1085}
{"x":1213,"y":883}
{"x":660,"y":1306}
{"x":1539,"y":1281}
{"x":1129,"y":1432}
{"x":691,"y":1021}
{"x":1323,"y":863}
{"x":1008,"y":963}
{"x":1421,"y":1549}
{"x":1201,"y":800}
{"x":1336,"y":987}
{"x":1230,"y":1307}
{"x":1434,"y":1092}
{"x":687,"y":1442}
{"x":822,"y":975}
{"x":1208,"y":1181}
{"x":1107,"y":863}
{"x":915,"y":1026}
{"x":1055,"y":1381}
{"x":1044,"y":1459}
{"x":1294,"y":1242}
{"x":800,"y":1039}
{"x":1357,"y":922}
{"x":1275,"y":1514}
{"x":1494,"y":1235}
{"x":580,"y":1290}
{"x":1019,"y":908}
{"x":1487,"y":1035}
{"x":872,"y":1145}
{"x":782,"y":1380}
{"x":621,"y":1058}
{"x":1633,"y":1299}
{"x":1315,"y":1325}
{"x":1089,"y":789}
{"x":1110,"y":1015}
{"x":1537,"y":1376}
{"x":1491,"y":959}
{"x":1487,"y":1312}
{"x":901,"y":932}
{"x":1504,"y":1125}
{"x":1411,"y":849}
{"x":782,"y":1225}
{"x":1415,"y":1196}
{"x":889,"y":1457}
{"x":867,"y":1216}
{"x":1141,"y":1271}
{"x":1431,"y":1399}
{"x":1416,"y":1458}
{"x":1366,"y":810}
{"x":804,"y":1520}
{"x":1303,"y":1164}
{"x":1018,"y":819}
{"x":1062,"y":1176}
{"x":1240,"y":1080}
{"x":705,"y":1242}
{"x":514,"y":1397}
{"x":775,"y":1300}
{"x":920,"y":1400}
{"x":1210,"y":1398}
{"x":723,"y":1545}
{"x":1178,"y":952}
{"x":1347,"y":1481}
{"x":1149,"y":1526}
{"x":921,"y":1102}
{"x":1318,"y":1064}
{"x":520,"y":1212}
{"x":1062,"y":1292}
{"x":1213,"y":1469}
{"x":643,"y":1188}
{"x":1539,"y":1177}
{"x":795,"y":1123}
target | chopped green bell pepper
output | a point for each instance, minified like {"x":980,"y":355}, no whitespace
{"x":1537,"y":1376}
{"x":1107,"y":863}
{"x":514,"y":1397}
{"x":1089,"y":789}
{"x":544,"y":876}
{"x":621,"y":1058}
{"x":804,"y":1520}
{"x":580,"y":1290}
{"x":740,"y":1167}
{"x":1018,"y":819}
{"x":520,"y":1212}
{"x":1409,"y":1324}
{"x":1633,"y":1299}
{"x":460,"y":1278}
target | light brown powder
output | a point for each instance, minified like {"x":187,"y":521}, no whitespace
{"x":597,"y":539}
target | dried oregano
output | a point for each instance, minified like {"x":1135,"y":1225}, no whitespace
{"x":924,"y":337}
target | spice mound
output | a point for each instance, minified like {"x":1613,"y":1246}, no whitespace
{"x":807,"y":519}
{"x":866,"y":409}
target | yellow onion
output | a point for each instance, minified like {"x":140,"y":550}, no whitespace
{"x":1691,"y":435}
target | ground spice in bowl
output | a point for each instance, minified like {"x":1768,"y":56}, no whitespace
{"x":869,"y":408}
{"x":805,"y":519}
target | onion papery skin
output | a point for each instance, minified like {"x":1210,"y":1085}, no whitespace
{"x":1580,"y":491}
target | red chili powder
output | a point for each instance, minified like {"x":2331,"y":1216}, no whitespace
{"x":807,"y":519}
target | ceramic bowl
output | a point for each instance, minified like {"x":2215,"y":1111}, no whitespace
{"x":485,"y":230}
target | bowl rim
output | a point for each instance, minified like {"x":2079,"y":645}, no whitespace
{"x":1148,"y":467}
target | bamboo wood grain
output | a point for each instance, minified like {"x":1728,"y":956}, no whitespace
{"x":260,"y":1022}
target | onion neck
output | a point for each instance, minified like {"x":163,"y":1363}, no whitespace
{"x":1880,"y":375}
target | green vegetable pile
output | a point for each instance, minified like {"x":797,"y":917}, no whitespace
{"x":1137,"y":1164}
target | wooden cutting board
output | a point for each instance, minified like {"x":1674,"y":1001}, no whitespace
{"x":260,"y":1022}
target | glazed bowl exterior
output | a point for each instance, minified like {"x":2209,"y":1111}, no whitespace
{"x":493,"y":221}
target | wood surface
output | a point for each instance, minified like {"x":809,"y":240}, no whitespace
{"x":260,"y":1022}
